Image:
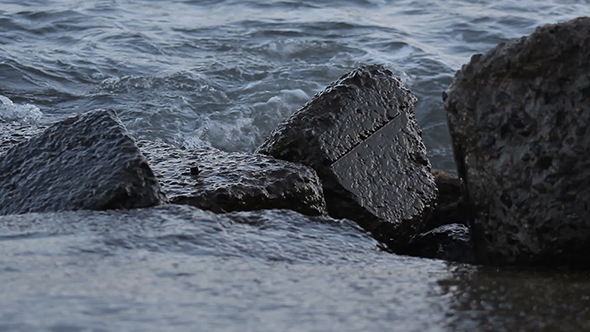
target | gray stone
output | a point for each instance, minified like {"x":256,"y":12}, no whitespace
{"x":84,"y":162}
{"x":14,"y":134}
{"x":219,"y":181}
{"x":361,"y":136}
{"x":518,"y":118}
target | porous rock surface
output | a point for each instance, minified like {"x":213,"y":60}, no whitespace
{"x":84,"y":162}
{"x":12,"y":134}
{"x":361,"y":136}
{"x":220,"y":181}
{"x":518,"y":117}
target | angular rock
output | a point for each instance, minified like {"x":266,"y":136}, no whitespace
{"x":449,"y":242}
{"x":84,"y":162}
{"x":518,"y":117}
{"x":361,"y":136}
{"x":219,"y":181}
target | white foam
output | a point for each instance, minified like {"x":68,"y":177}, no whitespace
{"x":296,"y":93}
{"x":229,"y":134}
{"x":19,"y":114}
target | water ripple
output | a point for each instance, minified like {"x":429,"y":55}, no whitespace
{"x":220,"y":78}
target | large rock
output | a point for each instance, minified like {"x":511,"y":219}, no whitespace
{"x":518,"y":117}
{"x":361,"y":136}
{"x":85,"y":162}
{"x":222,"y":182}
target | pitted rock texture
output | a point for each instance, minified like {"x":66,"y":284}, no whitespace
{"x":518,"y":117}
{"x":14,"y":134}
{"x":361,"y":136}
{"x":84,"y":162}
{"x":219,"y":181}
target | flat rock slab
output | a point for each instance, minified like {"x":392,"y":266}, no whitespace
{"x":84,"y":162}
{"x":219,"y":181}
{"x":361,"y":136}
{"x":518,"y":117}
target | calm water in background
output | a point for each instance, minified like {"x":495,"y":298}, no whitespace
{"x":225,"y":73}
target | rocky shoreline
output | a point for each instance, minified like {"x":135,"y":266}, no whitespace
{"x":517,"y":116}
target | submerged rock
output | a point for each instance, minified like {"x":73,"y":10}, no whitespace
{"x":450,"y":207}
{"x":219,"y":181}
{"x":518,"y":117}
{"x":84,"y":162}
{"x":361,"y":136}
{"x":449,"y":242}
{"x":446,"y":233}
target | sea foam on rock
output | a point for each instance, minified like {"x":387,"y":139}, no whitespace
{"x":84,"y":162}
{"x":220,"y":181}
{"x":518,"y":117}
{"x":361,"y":137}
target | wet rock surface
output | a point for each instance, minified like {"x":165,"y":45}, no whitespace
{"x":361,"y":136}
{"x":518,"y":117}
{"x":450,"y":206}
{"x":14,"y":134}
{"x":219,"y":181}
{"x":84,"y":162}
{"x":449,"y":242}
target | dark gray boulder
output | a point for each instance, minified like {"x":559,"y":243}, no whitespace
{"x":84,"y":162}
{"x":361,"y":136}
{"x":518,"y":118}
{"x":219,"y":181}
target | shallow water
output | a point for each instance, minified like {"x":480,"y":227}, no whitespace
{"x":225,"y":73}
{"x":179,"y":268}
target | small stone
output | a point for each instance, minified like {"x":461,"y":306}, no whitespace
{"x":194,"y":171}
{"x":449,"y":242}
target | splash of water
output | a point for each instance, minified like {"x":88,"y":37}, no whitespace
{"x":19,"y":113}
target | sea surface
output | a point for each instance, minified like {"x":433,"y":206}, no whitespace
{"x":224,"y":73}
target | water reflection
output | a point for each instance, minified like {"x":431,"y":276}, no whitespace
{"x":491,"y":299}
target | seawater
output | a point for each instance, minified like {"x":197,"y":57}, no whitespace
{"x":225,"y":73}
